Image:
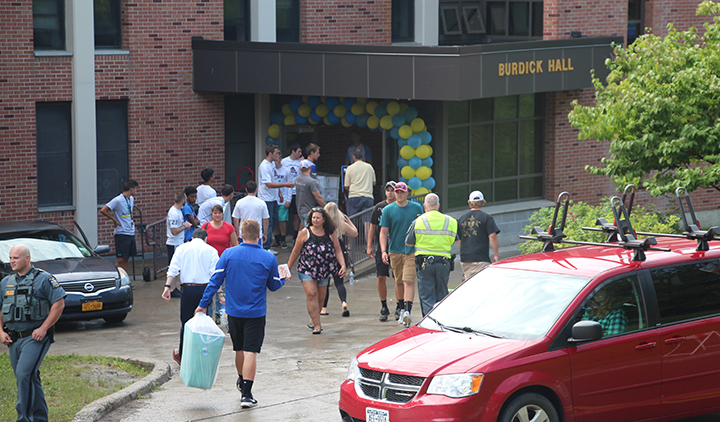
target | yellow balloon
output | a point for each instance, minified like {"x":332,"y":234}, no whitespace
{"x":370,"y":107}
{"x":304,"y":110}
{"x":386,"y":123}
{"x":417,"y":125}
{"x":431,"y":150}
{"x":274,"y":131}
{"x":407,"y":172}
{"x":405,"y":131}
{"x":340,"y":110}
{"x":290,"y":120}
{"x":407,"y":152}
{"x":326,"y":121}
{"x":373,"y":122}
{"x":322,"y":110}
{"x":362,"y":101}
{"x":421,"y":191}
{"x":345,"y":122}
{"x":423,"y":173}
{"x":403,"y":107}
{"x":286,"y":110}
{"x":393,"y":108}
{"x":322,"y":99}
{"x":312,"y":121}
{"x":423,"y":152}
{"x":357,"y":109}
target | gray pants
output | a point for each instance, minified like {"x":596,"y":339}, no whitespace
{"x":432,"y":284}
{"x":26,"y":355}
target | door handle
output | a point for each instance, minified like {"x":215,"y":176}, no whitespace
{"x":645,"y":346}
{"x":673,"y":340}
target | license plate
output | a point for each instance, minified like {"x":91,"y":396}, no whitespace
{"x":376,"y":415}
{"x":94,"y":305}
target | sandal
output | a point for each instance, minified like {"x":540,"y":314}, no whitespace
{"x":176,"y":356}
{"x":317,"y":331}
{"x":311,"y":326}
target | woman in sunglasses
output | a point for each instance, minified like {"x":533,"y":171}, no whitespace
{"x":343,"y":226}
{"x":319,"y":253}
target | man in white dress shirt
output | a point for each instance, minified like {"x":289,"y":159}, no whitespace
{"x":195,"y":262}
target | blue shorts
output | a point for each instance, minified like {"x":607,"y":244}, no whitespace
{"x":320,"y":283}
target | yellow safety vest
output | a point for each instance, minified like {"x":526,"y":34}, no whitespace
{"x":434,"y":234}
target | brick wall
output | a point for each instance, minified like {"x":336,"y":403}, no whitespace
{"x":658,"y":13}
{"x":594,"y":18}
{"x":345,"y":22}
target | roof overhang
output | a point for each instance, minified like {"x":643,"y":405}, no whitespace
{"x":451,"y":73}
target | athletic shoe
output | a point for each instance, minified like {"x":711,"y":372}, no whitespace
{"x":273,"y":251}
{"x":247,"y":402}
{"x":176,"y":356}
{"x":283,"y":245}
{"x":398,"y":312}
{"x":406,"y":319}
{"x":384,"y":312}
{"x":239,"y":384}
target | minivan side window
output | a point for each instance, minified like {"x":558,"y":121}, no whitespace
{"x":618,"y":307}
{"x":687,"y":291}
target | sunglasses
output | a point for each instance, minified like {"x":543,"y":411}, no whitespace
{"x":318,"y":209}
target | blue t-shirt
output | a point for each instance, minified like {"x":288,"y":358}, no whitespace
{"x":351,"y":148}
{"x":187,"y":209}
{"x":249,"y":271}
{"x":398,"y":220}
{"x":122,"y":207}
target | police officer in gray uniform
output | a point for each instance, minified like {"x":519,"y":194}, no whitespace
{"x":32,"y":302}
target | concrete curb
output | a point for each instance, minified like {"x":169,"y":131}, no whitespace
{"x":160,"y":374}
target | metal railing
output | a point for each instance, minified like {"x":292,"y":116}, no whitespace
{"x":155,"y":237}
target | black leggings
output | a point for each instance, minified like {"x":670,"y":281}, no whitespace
{"x":340,"y":286}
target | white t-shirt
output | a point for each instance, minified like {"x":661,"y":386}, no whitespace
{"x":175,"y":219}
{"x":251,"y":207}
{"x":205,"y":192}
{"x":205,"y":211}
{"x":266,"y":173}
{"x":293,"y":167}
{"x":122,"y":207}
{"x":281,"y":175}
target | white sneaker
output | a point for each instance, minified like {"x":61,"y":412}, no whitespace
{"x":401,"y":316}
{"x":273,"y":251}
{"x":406,"y":319}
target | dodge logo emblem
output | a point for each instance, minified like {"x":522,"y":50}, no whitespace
{"x":89,"y":287}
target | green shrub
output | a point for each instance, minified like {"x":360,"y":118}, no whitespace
{"x":580,"y":214}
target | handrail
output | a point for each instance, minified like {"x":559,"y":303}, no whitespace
{"x":155,"y":237}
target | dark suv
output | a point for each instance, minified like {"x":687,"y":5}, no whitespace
{"x":95,"y":287}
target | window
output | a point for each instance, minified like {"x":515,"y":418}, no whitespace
{"x":495,"y":145}
{"x":618,"y":306}
{"x":461,"y":22}
{"x":54,"y":154}
{"x":520,"y":19}
{"x":49,"y":24}
{"x":636,"y":24}
{"x":687,"y":291}
{"x":108,"y":32}
{"x":112,"y":148}
{"x":403,"y":20}
{"x":287,"y":20}
{"x":237,"y":20}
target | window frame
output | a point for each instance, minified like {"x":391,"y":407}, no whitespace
{"x":60,"y":18}
{"x":400,"y":6}
{"x":641,"y":21}
{"x":467,"y":22}
{"x":238,"y":23}
{"x":293,"y":31}
{"x":57,"y":157}
{"x":115,"y":8}
{"x":456,"y":9}
{"x":122,"y":151}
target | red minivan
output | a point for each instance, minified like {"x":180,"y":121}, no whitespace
{"x":586,"y":333}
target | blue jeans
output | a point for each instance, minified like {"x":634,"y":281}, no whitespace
{"x":273,"y":210}
{"x":357,"y":204}
{"x":432,"y":284}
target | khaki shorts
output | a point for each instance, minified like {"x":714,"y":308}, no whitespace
{"x":403,"y":266}
{"x":472,"y":268}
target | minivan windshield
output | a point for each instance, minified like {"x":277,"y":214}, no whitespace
{"x":506,"y":303}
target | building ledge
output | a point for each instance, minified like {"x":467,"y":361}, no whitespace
{"x":53,"y":53}
{"x":112,"y":52}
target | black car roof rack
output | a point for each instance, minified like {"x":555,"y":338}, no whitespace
{"x":624,"y":231}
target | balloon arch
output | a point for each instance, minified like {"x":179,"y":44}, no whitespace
{"x":400,"y":119}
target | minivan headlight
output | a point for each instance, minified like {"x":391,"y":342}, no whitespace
{"x":458,"y":385}
{"x":353,"y":370}
{"x":124,"y":277}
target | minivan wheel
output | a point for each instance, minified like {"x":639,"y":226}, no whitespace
{"x":115,"y":319}
{"x":530,"y":407}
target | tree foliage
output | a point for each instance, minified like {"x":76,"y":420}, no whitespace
{"x":580,"y":214}
{"x":660,"y":110}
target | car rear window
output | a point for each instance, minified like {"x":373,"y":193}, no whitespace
{"x":687,"y":291}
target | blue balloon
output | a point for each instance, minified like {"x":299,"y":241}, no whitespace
{"x":394,"y":133}
{"x":331,"y":102}
{"x":402,"y":179}
{"x":277,"y":118}
{"x":398,"y":120}
{"x":427,"y":162}
{"x":410,"y":114}
{"x":295,"y":103}
{"x":301,"y":120}
{"x":381,"y":110}
{"x":415,"y":162}
{"x":332,"y":118}
{"x":401,"y":142}
{"x":270,"y":140}
{"x":426,"y":137}
{"x":414,"y":141}
{"x":350,"y":118}
{"x":313,"y":102}
{"x":362,"y":120}
{"x":377,"y":129}
{"x":314,"y":116}
{"x":428,"y":183}
{"x":414,"y":183}
{"x":348,"y":103}
{"x":401,"y":162}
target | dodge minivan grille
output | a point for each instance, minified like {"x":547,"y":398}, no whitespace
{"x":388,"y":387}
